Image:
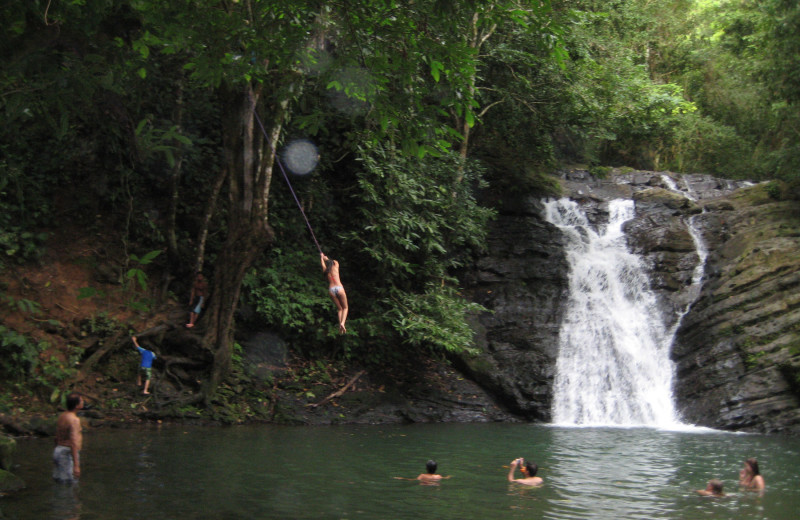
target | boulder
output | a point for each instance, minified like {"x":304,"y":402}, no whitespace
{"x":9,"y":482}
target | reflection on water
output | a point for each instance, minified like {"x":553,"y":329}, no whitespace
{"x":348,"y":472}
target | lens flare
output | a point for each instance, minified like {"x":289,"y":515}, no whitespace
{"x":301,"y":156}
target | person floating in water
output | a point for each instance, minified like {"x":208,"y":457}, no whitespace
{"x":750,"y":477}
{"x":713,"y":489}
{"x":197,"y":298}
{"x":528,"y":469}
{"x":430,"y":475}
{"x":331,"y":269}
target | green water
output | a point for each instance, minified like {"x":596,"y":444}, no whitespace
{"x":265,"y":472}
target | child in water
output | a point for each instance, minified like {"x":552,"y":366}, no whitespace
{"x":713,"y":489}
{"x":331,"y":269}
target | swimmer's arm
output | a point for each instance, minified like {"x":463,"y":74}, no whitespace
{"x":511,"y":471}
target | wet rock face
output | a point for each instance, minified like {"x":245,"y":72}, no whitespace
{"x":737,"y":349}
{"x":523,"y":282}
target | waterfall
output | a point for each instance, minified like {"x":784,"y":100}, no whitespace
{"x":613,"y":366}
{"x":699,"y":244}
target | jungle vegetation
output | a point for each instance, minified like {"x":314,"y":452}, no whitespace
{"x":423,"y":113}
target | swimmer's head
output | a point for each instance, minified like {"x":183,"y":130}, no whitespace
{"x":714,"y":486}
{"x":752,"y":464}
{"x":431,"y":466}
{"x":73,"y":400}
{"x":530,"y":468}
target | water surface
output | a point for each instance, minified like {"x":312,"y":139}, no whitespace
{"x":346,"y":472}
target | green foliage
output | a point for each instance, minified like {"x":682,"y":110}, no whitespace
{"x":137,"y":274}
{"x":101,"y":325}
{"x":20,"y":354}
{"x":22,"y":305}
{"x":418,"y":219}
{"x":89,"y":292}
{"x":239,"y":398}
{"x":16,"y":242}
{"x":435,"y":319}
{"x":289,"y":294}
{"x":418,"y":222}
{"x":774,"y":190}
{"x":20,"y":245}
{"x":23,"y":368}
{"x":734,"y":61}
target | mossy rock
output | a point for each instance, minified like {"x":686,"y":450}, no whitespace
{"x":10,"y":482}
{"x":43,"y":425}
{"x":8,"y":447}
{"x":670,"y":199}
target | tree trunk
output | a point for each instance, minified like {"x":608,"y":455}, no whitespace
{"x":172,"y":241}
{"x":475,"y":40}
{"x":249,"y":163}
{"x":210,"y":208}
{"x":240,"y":251}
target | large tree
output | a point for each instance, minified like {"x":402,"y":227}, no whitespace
{"x":251,"y":53}
{"x":383,"y":58}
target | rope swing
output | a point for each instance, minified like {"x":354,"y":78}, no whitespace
{"x":286,"y":178}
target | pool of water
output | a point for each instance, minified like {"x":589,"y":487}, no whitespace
{"x":346,"y":472}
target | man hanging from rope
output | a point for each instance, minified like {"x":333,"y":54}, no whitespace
{"x":331,"y":269}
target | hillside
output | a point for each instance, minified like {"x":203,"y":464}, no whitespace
{"x":77,"y":316}
{"x":68,"y":304}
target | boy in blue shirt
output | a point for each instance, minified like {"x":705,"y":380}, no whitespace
{"x":146,"y":367}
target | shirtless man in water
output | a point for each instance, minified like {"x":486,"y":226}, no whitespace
{"x":528,"y":470}
{"x":430,"y":476}
{"x":331,"y":269}
{"x":69,"y":441}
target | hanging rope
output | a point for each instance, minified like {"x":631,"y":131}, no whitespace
{"x":286,"y":178}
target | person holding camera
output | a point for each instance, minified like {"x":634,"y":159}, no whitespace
{"x":528,"y":470}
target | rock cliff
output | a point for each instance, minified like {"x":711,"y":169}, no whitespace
{"x":522,"y":282}
{"x":738,"y":350}
{"x":737,"y":345}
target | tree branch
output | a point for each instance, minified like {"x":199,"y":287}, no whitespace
{"x":338,"y":392}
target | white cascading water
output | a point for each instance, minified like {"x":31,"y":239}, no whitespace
{"x":699,"y":244}
{"x":613,"y":365}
